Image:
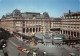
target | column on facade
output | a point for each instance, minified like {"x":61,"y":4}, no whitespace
{"x":76,"y":35}
{"x":28,"y":29}
{"x":70,"y":33}
{"x":25,"y":26}
{"x":73,"y":34}
{"x":62,"y":31}
{"x":65,"y":32}
{"x":32,"y":30}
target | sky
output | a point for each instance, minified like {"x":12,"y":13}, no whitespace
{"x":55,"y":8}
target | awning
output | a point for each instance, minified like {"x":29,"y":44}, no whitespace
{"x":60,"y":35}
{"x":55,"y":29}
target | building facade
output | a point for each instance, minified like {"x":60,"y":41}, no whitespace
{"x":26,"y":23}
{"x":70,"y":24}
{"x":56,"y":25}
{"x":29,"y":23}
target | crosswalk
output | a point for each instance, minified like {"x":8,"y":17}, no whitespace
{"x":52,"y":46}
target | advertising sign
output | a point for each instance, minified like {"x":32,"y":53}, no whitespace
{"x":47,"y":37}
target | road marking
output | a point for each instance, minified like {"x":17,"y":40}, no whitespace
{"x":54,"y":46}
{"x":13,"y":43}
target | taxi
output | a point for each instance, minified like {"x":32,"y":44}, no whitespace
{"x":26,"y":51}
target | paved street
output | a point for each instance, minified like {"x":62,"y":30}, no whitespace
{"x":13,"y":51}
{"x":52,"y":50}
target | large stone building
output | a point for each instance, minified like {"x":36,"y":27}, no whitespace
{"x":26,"y":23}
{"x":30,"y":22}
{"x":70,"y":24}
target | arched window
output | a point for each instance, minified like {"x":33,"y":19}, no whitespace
{"x":33,"y":29}
{"x":27,"y":30}
{"x":36,"y":29}
{"x":39,"y":29}
{"x":30,"y":29}
{"x":23,"y":30}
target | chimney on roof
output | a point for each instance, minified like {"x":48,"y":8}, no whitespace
{"x":69,"y":11}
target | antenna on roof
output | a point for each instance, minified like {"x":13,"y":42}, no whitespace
{"x":69,"y":11}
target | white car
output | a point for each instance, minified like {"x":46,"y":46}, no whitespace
{"x":4,"y":45}
{"x":72,"y":54}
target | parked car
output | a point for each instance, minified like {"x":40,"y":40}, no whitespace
{"x":19,"y":47}
{"x":4,"y":45}
{"x":26,"y":51}
{"x":72,"y":54}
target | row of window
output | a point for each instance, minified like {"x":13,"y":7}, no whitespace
{"x":69,"y":17}
{"x":71,"y":27}
{"x":31,"y":30}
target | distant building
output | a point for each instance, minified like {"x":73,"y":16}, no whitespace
{"x":71,"y":15}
